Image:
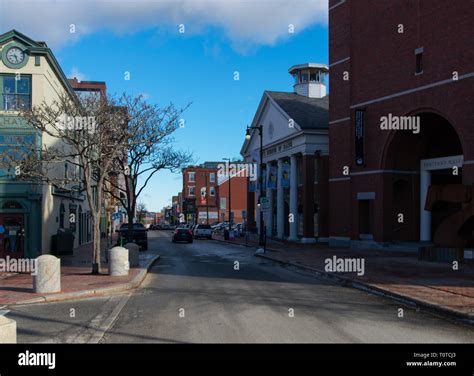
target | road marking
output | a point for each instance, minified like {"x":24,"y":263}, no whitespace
{"x":101,"y":323}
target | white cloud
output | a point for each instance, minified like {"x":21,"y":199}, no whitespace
{"x":75,"y":73}
{"x":245,"y":23}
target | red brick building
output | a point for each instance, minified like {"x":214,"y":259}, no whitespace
{"x":238,"y":198}
{"x":394,"y":66}
{"x":201,"y":189}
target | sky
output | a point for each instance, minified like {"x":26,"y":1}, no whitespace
{"x":181,"y":52}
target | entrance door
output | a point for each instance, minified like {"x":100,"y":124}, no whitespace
{"x":12,"y":235}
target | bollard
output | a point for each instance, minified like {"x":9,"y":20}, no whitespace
{"x":7,"y":330}
{"x":133,"y":254}
{"x":118,"y":261}
{"x":48,"y":274}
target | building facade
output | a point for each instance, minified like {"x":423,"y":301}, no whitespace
{"x":401,"y":123}
{"x":31,"y":214}
{"x":200,"y":193}
{"x":295,"y":156}
{"x":235,"y":186}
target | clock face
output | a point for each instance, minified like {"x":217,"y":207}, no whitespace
{"x":15,"y":55}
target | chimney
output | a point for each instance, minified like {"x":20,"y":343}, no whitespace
{"x":310,"y":79}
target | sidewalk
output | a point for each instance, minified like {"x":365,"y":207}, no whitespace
{"x":76,"y":279}
{"x":396,"y":275}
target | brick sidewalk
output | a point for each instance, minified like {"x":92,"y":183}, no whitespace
{"x":76,"y":278}
{"x":435,"y":284}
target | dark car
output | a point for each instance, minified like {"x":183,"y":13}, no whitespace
{"x":182,"y":234}
{"x":139,"y":235}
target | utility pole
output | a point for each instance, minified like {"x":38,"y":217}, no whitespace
{"x":230,"y":197}
{"x":261,"y":237}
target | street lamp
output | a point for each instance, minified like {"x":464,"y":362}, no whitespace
{"x":230,"y":202}
{"x":261,"y":235}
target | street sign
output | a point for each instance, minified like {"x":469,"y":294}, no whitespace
{"x":264,"y":203}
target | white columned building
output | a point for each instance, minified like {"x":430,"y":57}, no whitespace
{"x":295,"y":140}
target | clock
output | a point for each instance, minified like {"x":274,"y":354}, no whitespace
{"x":15,"y":55}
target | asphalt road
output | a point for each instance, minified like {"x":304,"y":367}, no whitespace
{"x":198,"y":293}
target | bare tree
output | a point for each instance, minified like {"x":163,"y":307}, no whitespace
{"x":141,"y":211}
{"x":87,"y":134}
{"x":150,"y":149}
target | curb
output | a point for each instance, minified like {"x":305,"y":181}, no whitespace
{"x":134,"y":283}
{"x":406,"y":300}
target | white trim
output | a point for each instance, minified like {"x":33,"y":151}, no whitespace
{"x":372,"y":172}
{"x":336,"y":5}
{"x":338,"y":179}
{"x":414,"y":90}
{"x":339,"y":120}
{"x":384,"y":171}
{"x":339,"y":61}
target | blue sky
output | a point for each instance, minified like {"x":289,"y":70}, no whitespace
{"x":197,"y":66}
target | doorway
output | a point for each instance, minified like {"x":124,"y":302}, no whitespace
{"x":12,"y":235}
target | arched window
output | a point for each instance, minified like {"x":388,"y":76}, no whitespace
{"x":12,"y":205}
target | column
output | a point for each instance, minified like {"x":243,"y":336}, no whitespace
{"x":259,"y":192}
{"x":280,"y":202}
{"x":308,"y":199}
{"x":425,"y":215}
{"x":294,"y":198}
{"x":269,"y":213}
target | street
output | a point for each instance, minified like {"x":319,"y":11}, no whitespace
{"x":211,"y":292}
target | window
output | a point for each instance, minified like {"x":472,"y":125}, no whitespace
{"x":191,"y":177}
{"x":212,"y":177}
{"x":314,"y":77}
{"x":212,"y":191}
{"x":61,"y":216}
{"x":16,"y":92}
{"x":303,"y":77}
{"x":191,"y":191}
{"x":419,"y":60}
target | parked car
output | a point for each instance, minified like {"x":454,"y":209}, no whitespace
{"x":239,"y":229}
{"x":202,"y":231}
{"x":156,"y":227}
{"x":182,"y":234}
{"x":139,"y":235}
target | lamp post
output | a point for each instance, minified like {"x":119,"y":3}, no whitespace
{"x":230,"y":202}
{"x":261,"y":235}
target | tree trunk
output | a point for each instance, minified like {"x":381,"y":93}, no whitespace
{"x":96,"y":244}
{"x":130,"y":227}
